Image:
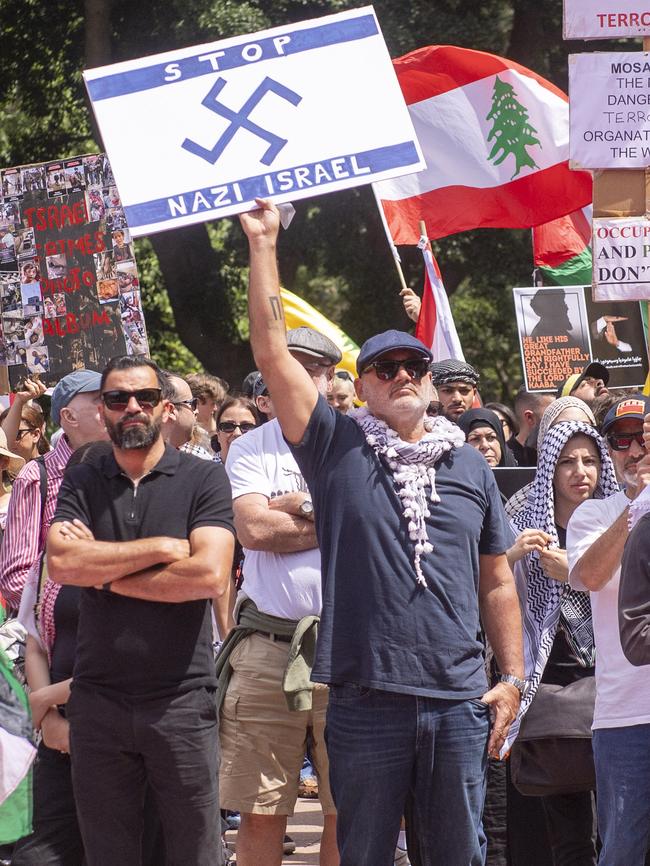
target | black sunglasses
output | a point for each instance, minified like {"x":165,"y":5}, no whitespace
{"x":622,"y":441}
{"x":387,"y":370}
{"x":191,"y":404}
{"x":22,"y":432}
{"x":434,"y":409}
{"x":146,"y":398}
{"x":231,"y":426}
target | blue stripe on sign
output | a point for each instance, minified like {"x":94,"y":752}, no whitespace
{"x":213,"y":200}
{"x":136,"y":80}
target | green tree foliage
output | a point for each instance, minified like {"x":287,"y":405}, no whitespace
{"x":335,"y":253}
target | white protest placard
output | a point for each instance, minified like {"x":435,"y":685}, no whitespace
{"x":609,"y":110}
{"x":606,"y":19}
{"x":621,"y":255}
{"x":287,"y":113}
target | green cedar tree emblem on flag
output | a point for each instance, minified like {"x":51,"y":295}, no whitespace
{"x":510,"y":128}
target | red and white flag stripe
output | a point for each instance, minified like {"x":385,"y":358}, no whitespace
{"x":435,"y":325}
{"x":479,"y":172}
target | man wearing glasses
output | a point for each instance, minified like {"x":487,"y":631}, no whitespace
{"x":266,"y":722}
{"x":596,"y":536}
{"x":147,"y":532}
{"x":413,"y":538}
{"x":75,"y":407}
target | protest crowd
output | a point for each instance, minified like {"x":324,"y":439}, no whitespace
{"x":350,"y":577}
{"x":321,"y":586}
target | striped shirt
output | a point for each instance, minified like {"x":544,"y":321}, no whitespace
{"x":24,"y":537}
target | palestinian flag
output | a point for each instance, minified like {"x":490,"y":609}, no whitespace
{"x":495,"y":137}
{"x":562,"y":250}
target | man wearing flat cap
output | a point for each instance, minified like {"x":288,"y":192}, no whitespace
{"x":413,"y":538}
{"x":271,"y":708}
{"x":75,"y":407}
{"x":456,"y":384}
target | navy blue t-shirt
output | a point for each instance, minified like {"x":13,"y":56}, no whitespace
{"x":379,"y":628}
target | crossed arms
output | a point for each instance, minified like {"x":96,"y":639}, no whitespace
{"x":152,"y":569}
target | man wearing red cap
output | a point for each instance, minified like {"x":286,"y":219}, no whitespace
{"x":596,"y":536}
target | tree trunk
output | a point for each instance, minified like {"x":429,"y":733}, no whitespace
{"x":98,"y":45}
{"x":202,"y":309}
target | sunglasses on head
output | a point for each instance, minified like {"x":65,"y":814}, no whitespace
{"x":387,"y":370}
{"x":146,"y":398}
{"x":623,"y":441}
{"x":231,"y":426}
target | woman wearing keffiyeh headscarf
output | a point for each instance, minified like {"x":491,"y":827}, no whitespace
{"x":573,"y":466}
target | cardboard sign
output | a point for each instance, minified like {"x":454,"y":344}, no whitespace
{"x":609,"y":110}
{"x":561,"y":329}
{"x":287,"y":113}
{"x":69,"y":287}
{"x":607,"y":19}
{"x":621,"y":259}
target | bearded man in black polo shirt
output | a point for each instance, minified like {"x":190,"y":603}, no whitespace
{"x":147,"y":532}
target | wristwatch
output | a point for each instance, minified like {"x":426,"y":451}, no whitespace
{"x":520,"y":685}
{"x":307,"y":509}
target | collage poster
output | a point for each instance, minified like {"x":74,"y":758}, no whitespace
{"x":561,"y":329}
{"x":69,"y":286}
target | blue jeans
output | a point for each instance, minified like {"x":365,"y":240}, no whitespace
{"x":622,"y":758}
{"x":393,"y":755}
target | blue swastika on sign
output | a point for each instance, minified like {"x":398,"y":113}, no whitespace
{"x":241,"y":120}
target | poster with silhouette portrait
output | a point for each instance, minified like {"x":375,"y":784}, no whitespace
{"x":561,"y":329}
{"x":59,"y":288}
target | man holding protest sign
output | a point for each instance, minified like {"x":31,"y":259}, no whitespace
{"x":409,"y":714}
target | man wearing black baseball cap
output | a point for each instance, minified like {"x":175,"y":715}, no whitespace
{"x":413,"y":540}
{"x":588,"y":385}
{"x":596,"y":536}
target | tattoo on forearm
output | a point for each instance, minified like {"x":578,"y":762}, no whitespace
{"x":276,"y":308}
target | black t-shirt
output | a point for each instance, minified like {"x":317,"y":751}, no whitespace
{"x":145,"y":649}
{"x":378,"y":627}
{"x":66,"y":620}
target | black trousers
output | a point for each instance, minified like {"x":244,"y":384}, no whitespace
{"x":571,"y":823}
{"x":119,"y":747}
{"x":56,"y":840}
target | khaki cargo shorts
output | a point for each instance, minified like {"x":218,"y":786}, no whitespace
{"x":262,"y":742}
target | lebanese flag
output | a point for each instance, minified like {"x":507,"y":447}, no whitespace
{"x":495,"y":137}
{"x":435,"y":326}
{"x":562,"y":249}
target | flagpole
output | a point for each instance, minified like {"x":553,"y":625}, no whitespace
{"x":389,"y":238}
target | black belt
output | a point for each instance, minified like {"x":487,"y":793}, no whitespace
{"x":283,"y":638}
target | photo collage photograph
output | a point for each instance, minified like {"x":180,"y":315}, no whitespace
{"x":69,"y":285}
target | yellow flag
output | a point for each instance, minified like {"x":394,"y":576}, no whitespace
{"x":298,"y":312}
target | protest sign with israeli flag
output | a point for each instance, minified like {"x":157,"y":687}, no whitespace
{"x":286,"y":113}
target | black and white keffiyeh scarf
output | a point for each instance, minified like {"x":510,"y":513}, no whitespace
{"x":413,"y":466}
{"x":547,"y":604}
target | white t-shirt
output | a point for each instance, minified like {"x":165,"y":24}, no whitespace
{"x":282,"y":584}
{"x":622,"y":690}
